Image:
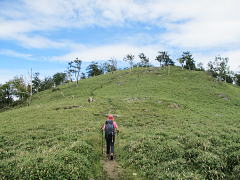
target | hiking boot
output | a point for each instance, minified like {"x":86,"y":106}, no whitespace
{"x":111,"y":156}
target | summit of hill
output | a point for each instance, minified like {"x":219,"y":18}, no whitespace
{"x":174,"y":124}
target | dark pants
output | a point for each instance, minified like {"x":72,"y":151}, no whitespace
{"x":110,"y":139}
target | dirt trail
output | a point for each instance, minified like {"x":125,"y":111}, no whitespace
{"x":112,"y":169}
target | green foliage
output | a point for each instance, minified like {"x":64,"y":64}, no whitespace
{"x":39,"y":85}
{"x":59,"y":78}
{"x":110,"y":66}
{"x":13,"y":92}
{"x":164,"y":58}
{"x":237,"y":79}
{"x":187,"y":61}
{"x":129,"y":58}
{"x":94,"y":69}
{"x":83,"y":76}
{"x":144,"y":61}
{"x":200,"y":67}
{"x":74,"y":69}
{"x":6,"y":98}
{"x":36,"y":82}
{"x":47,"y":83}
{"x":220,"y":69}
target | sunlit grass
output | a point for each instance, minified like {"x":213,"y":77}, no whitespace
{"x":184,"y":125}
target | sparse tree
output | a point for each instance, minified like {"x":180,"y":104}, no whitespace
{"x":6,"y":98}
{"x":164,"y":58}
{"x":19,"y":89}
{"x":69,"y":74}
{"x":36,"y":82}
{"x":74,"y":67}
{"x":223,"y":68}
{"x":181,"y":61}
{"x":187,"y":58}
{"x":110,"y":66}
{"x":84,"y":76}
{"x":13,"y":92}
{"x":160,"y":58}
{"x":47,"y":83}
{"x":94,"y":69}
{"x":212,"y":69}
{"x":237,"y":79}
{"x":219,"y":69}
{"x":144,"y":61}
{"x":200,"y":67}
{"x":59,"y":78}
{"x":230,"y":78}
{"x":113,"y":64}
{"x":129,"y":58}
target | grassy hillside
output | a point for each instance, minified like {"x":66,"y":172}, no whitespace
{"x":184,"y":125}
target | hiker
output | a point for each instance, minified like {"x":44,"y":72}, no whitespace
{"x":110,"y":127}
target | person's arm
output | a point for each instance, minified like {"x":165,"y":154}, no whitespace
{"x":115,"y":126}
{"x":103,"y":127}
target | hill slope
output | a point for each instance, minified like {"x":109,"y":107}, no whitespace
{"x":184,"y":125}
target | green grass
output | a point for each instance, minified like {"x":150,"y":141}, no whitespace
{"x":184,"y":125}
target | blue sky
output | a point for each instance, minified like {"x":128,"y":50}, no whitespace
{"x":44,"y":35}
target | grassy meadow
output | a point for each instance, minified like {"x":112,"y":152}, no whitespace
{"x":181,"y":125}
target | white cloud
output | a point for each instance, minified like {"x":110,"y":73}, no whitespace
{"x":204,"y":35}
{"x":9,"y":52}
{"x":105,"y":52}
{"x":189,"y":24}
{"x":10,"y":28}
{"x":234,"y":59}
{"x":38,"y":42}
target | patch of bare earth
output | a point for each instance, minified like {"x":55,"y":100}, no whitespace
{"x":112,"y":169}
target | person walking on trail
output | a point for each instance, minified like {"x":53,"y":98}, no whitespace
{"x":110,"y":127}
